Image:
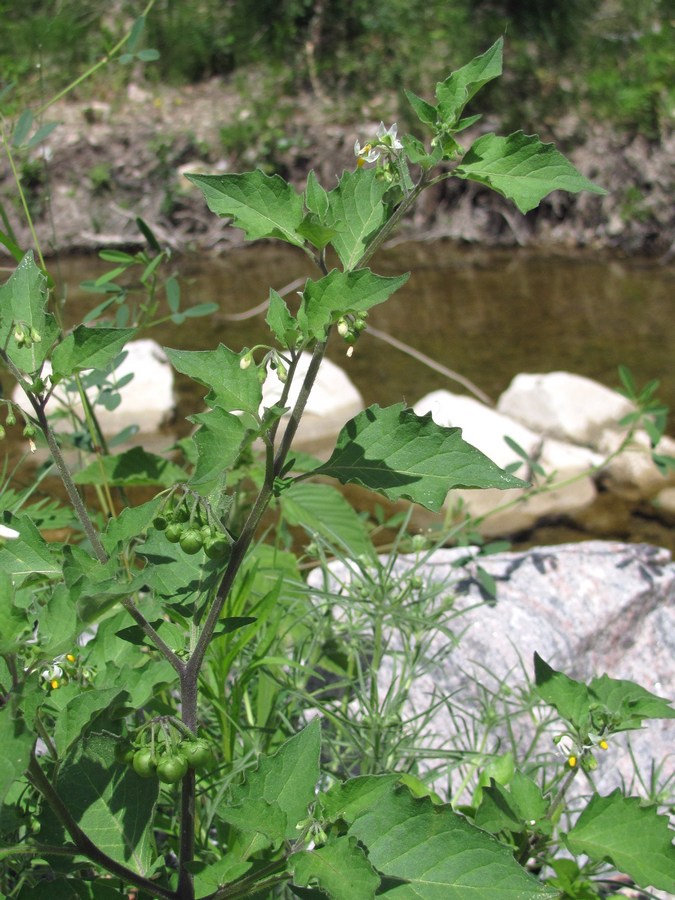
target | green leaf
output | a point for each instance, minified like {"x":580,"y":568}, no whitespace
{"x":348,"y":800}
{"x":15,"y":624}
{"x":70,"y":889}
{"x":133,"y":467}
{"x":425,"y":112}
{"x":219,"y":440}
{"x":315,"y":233}
{"x":231,"y":387}
{"x":287,"y":779}
{"x":16,"y":744}
{"x":210,"y":877}
{"x":110,"y":803}
{"x":324,"y":301}
{"x":131,"y":522}
{"x":516,"y":808}
{"x":257,"y":816}
{"x":29,"y":554}
{"x":455,"y":92}
{"x":528,"y":797}
{"x":629,"y":835}
{"x":262,"y":205}
{"x":135,"y":34}
{"x":173,"y":574}
{"x":438,"y":855}
{"x":630,"y":701}
{"x":403,"y":455}
{"x":200,"y":309}
{"x":340,"y":868}
{"x":358,"y":211}
{"x":280,"y":320}
{"x":23,"y":301}
{"x":58,"y":625}
{"x":497,"y":811}
{"x":148,"y":55}
{"x":569,"y":697}
{"x":23,"y":126}
{"x":74,"y":719}
{"x":522,"y":169}
{"x":89,"y":348}
{"x":316,"y":198}
{"x":321,"y":509}
{"x":42,"y":134}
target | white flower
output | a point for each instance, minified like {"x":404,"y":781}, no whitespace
{"x":8,"y":534}
{"x":387,"y":136}
{"x":367,"y":154}
{"x":386,"y":143}
{"x":565,"y":744}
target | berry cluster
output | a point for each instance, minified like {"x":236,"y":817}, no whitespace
{"x":161,"y":752}
{"x":193,"y":531}
{"x":350,"y":326}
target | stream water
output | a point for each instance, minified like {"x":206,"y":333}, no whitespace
{"x":485,"y":313}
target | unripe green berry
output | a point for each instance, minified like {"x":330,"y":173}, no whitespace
{"x":174,"y":532}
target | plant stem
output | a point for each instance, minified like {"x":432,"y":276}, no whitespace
{"x":69,"y":484}
{"x":92,"y":69}
{"x":300,"y":403}
{"x":274,"y":464}
{"x":22,"y":196}
{"x":186,"y":849}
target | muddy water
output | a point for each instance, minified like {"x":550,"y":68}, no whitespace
{"x":484,"y":313}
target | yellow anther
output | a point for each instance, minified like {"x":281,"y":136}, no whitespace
{"x":70,"y":657}
{"x":54,"y":684}
{"x":603,"y":745}
{"x":572,"y":761}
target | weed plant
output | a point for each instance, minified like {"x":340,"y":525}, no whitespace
{"x":181,"y":717}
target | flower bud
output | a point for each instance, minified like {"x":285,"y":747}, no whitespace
{"x":343,"y":327}
{"x":35,"y":336}
{"x":589,"y":763}
{"x":246,"y":361}
{"x":419,"y":542}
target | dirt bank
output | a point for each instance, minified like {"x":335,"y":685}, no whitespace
{"x":109,"y":162}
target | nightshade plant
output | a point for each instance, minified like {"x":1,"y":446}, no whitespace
{"x":102,"y":742}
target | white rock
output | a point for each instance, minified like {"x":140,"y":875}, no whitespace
{"x":633,"y":474}
{"x":585,"y":608}
{"x":333,"y":401}
{"x":147,"y":400}
{"x":665,"y":500}
{"x":486,"y":429}
{"x":562,"y":405}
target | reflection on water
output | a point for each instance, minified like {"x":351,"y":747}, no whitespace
{"x":487,"y":314}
